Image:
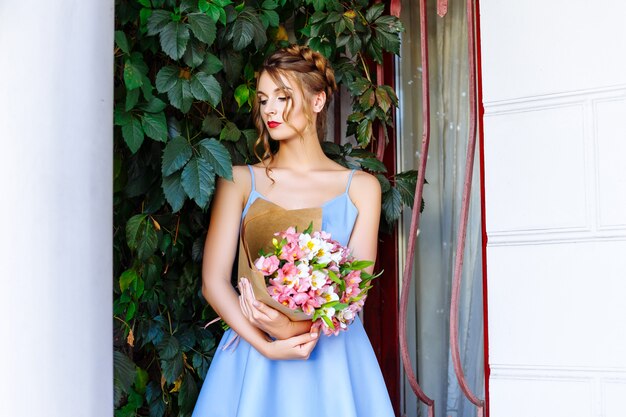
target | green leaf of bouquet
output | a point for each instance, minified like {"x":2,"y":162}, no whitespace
{"x":206,"y":87}
{"x":218,"y":156}
{"x":328,"y":322}
{"x":166,"y":78}
{"x":174,"y":38}
{"x":133,"y":134}
{"x":334,"y":277}
{"x":198,"y":181}
{"x":392,"y":205}
{"x":155,"y":126}
{"x":121,"y":41}
{"x":127,"y":278}
{"x":157,"y":21}
{"x":230,"y":132}
{"x":360,"y":264}
{"x":175,"y":155}
{"x":203,"y":27}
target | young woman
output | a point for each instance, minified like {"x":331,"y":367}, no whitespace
{"x":280,"y":368}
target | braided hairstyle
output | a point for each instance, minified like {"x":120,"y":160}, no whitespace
{"x":306,"y":69}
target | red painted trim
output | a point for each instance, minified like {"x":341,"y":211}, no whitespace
{"x":481,"y":147}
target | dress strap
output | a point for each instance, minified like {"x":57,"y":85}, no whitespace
{"x":350,"y":180}
{"x":252,"y":181}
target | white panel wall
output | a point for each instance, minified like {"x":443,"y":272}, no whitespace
{"x":56,"y":101}
{"x":555,"y":162}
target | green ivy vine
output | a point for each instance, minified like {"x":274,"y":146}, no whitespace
{"x":184,"y":87}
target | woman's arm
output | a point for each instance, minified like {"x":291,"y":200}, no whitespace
{"x":365,"y":193}
{"x":219,"y":251}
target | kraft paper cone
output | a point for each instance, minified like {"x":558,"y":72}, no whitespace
{"x":262,"y":220}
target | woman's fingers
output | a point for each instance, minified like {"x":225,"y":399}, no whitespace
{"x":259,"y":310}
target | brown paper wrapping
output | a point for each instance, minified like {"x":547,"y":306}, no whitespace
{"x":262,"y":220}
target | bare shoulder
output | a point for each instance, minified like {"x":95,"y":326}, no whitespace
{"x":239,"y":187}
{"x":365,"y":188}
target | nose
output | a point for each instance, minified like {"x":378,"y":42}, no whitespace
{"x":270,"y":106}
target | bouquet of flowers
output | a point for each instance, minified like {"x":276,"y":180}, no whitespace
{"x":309,"y":272}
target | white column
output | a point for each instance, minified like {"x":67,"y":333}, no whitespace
{"x":56,"y":99}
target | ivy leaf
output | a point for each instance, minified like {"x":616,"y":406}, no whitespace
{"x":233,"y":64}
{"x":127,"y":278}
{"x":203,"y":27}
{"x":141,"y":236}
{"x":389,"y":41}
{"x":132,"y":74}
{"x":354,"y":44}
{"x":374,"y":12}
{"x":168,"y":347}
{"x":166,"y":79}
{"x":132,"y":96}
{"x":133,"y":134}
{"x":121,"y":41}
{"x":271,"y":17}
{"x":385,"y":185}
{"x":188,"y":394}
{"x":155,"y":126}
{"x":172,"y":368}
{"x":206,"y":87}
{"x":405,"y":183}
{"x":392,"y":205}
{"x":242,"y":93}
{"x":174,"y":192}
{"x":157,"y":21}
{"x":243,"y":30}
{"x":218,"y":156}
{"x":373,"y":164}
{"x":194,"y":54}
{"x":175,"y":155}
{"x":123,"y":374}
{"x":212,"y":124}
{"x":230,"y":132}
{"x":198,"y":181}
{"x":181,"y":96}
{"x":174,"y":38}
{"x":211,"y":64}
{"x":364,"y":132}
{"x":121,"y":117}
{"x":155,"y":105}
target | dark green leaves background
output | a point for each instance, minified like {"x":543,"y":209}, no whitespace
{"x":184,"y":85}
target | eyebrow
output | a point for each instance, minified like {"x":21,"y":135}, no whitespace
{"x":275,"y":90}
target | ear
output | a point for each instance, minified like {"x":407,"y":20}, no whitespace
{"x":319,"y":100}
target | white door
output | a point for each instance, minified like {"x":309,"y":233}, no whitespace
{"x":554,"y":96}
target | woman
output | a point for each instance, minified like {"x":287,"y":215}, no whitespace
{"x":280,"y":368}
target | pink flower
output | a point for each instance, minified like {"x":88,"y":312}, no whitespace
{"x":267,"y":266}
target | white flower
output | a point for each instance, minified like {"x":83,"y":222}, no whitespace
{"x":328,"y":312}
{"x":330,"y":295}
{"x":303,"y":270}
{"x":318,"y":280}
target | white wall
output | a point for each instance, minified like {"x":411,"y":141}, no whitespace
{"x":56,"y":208}
{"x":554,"y":86}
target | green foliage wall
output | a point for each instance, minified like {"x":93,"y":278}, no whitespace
{"x":184,"y":86}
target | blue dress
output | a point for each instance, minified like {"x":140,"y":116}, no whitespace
{"x":340,"y":378}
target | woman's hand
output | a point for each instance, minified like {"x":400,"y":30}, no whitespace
{"x":271,"y":321}
{"x":297,"y":347}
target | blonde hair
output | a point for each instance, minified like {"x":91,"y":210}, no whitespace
{"x":311,"y":72}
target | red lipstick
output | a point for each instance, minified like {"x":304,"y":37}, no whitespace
{"x":272,"y":125}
